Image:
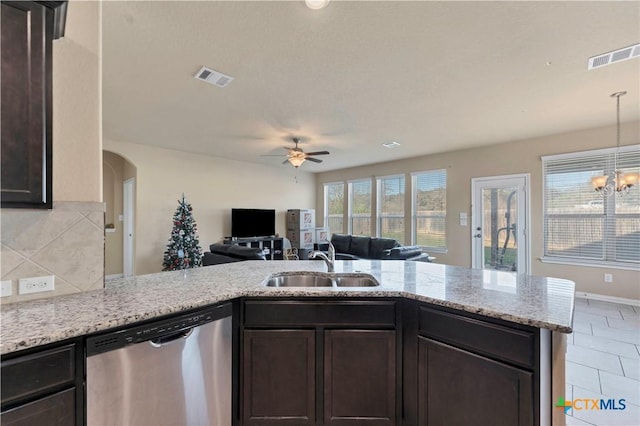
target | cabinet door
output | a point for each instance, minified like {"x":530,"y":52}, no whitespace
{"x":278,"y":377}
{"x":27,"y":31}
{"x":55,"y":410}
{"x":456,"y":387}
{"x":360,"y":377}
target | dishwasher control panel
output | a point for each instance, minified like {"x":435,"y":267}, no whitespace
{"x":140,"y":333}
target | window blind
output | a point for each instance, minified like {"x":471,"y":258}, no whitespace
{"x":579,"y":223}
{"x":391,"y":207}
{"x":334,"y":207}
{"x":360,"y":207}
{"x":430,"y":209}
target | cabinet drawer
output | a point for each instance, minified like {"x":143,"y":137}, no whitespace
{"x":326,"y":313}
{"x":33,"y":374}
{"x":497,"y":341}
{"x":55,"y":410}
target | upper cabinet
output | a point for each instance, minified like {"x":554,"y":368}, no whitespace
{"x":27,"y":32}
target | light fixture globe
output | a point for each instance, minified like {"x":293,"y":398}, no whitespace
{"x":316,"y":4}
{"x":296,"y":159}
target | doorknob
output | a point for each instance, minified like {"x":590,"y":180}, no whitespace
{"x":477,"y":236}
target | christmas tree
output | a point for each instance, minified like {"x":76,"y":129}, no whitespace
{"x":183,"y":250}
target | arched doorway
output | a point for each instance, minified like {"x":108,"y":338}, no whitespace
{"x":119,"y":177}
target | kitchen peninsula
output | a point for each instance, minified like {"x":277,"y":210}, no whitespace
{"x":500,"y":327}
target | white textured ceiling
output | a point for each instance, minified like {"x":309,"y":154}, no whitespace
{"x":433,"y":76}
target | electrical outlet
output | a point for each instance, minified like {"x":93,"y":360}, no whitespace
{"x":6,"y":289}
{"x":608,"y":278}
{"x":36,"y":284}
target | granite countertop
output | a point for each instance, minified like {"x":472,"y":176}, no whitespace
{"x":536,"y":301}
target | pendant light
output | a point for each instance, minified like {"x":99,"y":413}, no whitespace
{"x":616,"y":181}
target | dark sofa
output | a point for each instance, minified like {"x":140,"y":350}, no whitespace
{"x":226,"y":253}
{"x":351,"y":247}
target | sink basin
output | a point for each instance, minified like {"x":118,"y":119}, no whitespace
{"x":299,"y":280}
{"x":320,"y":279}
{"x":355,"y":281}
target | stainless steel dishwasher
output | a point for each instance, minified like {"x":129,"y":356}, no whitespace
{"x":169,"y":372}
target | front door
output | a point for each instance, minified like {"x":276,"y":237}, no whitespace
{"x":500,"y":223}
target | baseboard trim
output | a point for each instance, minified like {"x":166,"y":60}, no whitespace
{"x":113,"y":276}
{"x":604,"y":298}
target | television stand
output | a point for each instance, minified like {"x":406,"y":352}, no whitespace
{"x":273,"y":246}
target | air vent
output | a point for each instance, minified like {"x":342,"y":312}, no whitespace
{"x":613,"y":57}
{"x":213,"y":77}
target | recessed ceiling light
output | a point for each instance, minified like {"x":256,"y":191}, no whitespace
{"x":391,"y":144}
{"x":316,"y":4}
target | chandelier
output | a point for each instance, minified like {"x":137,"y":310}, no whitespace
{"x":616,"y":181}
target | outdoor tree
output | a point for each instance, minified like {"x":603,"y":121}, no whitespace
{"x":183,"y":250}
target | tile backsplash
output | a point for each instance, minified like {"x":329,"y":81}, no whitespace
{"x":66,"y":241}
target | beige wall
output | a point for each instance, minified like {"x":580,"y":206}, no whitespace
{"x":67,"y":241}
{"x":212,"y":185}
{"x":77,"y":100}
{"x":510,"y":158}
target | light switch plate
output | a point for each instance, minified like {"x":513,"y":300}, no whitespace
{"x":36,"y":284}
{"x":463,"y":218}
{"x":6,"y":289}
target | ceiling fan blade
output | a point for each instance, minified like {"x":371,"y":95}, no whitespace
{"x":285,"y":161}
{"x":274,"y":155}
{"x":315,"y":160}
{"x":318,"y":153}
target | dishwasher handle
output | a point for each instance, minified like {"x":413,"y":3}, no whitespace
{"x":170,"y":338}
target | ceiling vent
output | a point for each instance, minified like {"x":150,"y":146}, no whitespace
{"x":609,"y":58}
{"x":213,"y":77}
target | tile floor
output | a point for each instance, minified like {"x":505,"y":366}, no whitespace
{"x":603,"y":361}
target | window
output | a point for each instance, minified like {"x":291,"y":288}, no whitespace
{"x":334,"y":207}
{"x":429,"y":203}
{"x":579,"y":224}
{"x":391,"y":207}
{"x":360,"y":207}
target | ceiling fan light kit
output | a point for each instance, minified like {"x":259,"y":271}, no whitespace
{"x":296,"y":156}
{"x":296,"y":159}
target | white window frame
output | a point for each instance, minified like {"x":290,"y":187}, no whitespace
{"x":609,"y":213}
{"x":379,"y":179}
{"x":414,"y":215}
{"x":350,"y":203}
{"x":326,"y":204}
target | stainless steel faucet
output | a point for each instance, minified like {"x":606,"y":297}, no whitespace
{"x":329,"y":259}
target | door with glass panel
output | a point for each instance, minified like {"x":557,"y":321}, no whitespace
{"x":499,"y":223}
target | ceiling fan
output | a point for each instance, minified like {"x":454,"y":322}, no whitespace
{"x":296,"y":156}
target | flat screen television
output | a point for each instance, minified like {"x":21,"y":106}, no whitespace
{"x":247,"y":223}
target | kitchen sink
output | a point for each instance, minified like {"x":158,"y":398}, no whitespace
{"x":299,"y":281}
{"x":355,"y":281}
{"x":320,"y":279}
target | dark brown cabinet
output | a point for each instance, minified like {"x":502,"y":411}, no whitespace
{"x":279,"y":377}
{"x":43,"y":387}
{"x":54,"y":410}
{"x":359,"y":377}
{"x":27,"y":32}
{"x":459,"y":388}
{"x":320,"y":362}
{"x":468,"y":369}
